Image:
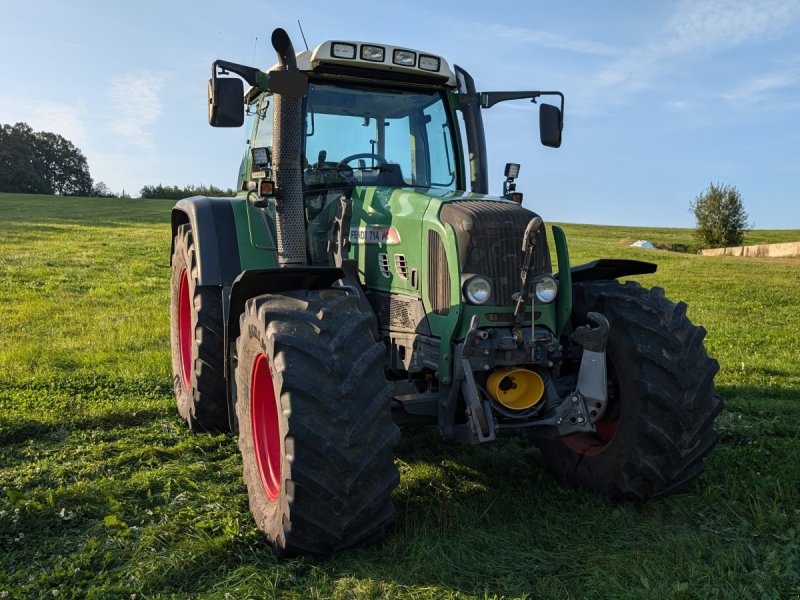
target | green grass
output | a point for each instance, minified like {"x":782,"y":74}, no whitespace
{"x":104,"y":493}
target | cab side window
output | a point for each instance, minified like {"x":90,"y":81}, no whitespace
{"x":262,"y":136}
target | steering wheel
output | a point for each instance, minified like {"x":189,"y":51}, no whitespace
{"x":376,"y":157}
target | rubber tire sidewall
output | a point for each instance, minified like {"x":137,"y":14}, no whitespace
{"x":209,"y":388}
{"x":271,"y":515}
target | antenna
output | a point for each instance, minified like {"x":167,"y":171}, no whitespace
{"x":255,"y":45}
{"x":303,"y":34}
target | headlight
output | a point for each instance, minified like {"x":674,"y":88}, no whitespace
{"x":546,"y":289}
{"x":478,"y":290}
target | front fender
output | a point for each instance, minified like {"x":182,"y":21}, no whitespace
{"x":215,"y":241}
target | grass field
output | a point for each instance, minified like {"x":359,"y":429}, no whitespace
{"x":104,"y":492}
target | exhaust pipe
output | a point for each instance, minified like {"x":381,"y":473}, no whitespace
{"x":287,"y":126}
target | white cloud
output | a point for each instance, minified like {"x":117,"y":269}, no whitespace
{"x":63,"y":119}
{"x":679,"y":105}
{"x":135,"y":105}
{"x":546,"y":39}
{"x":710,"y":25}
{"x":695,"y":27}
{"x":755,"y":89}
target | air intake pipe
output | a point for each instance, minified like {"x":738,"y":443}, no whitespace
{"x":287,"y":131}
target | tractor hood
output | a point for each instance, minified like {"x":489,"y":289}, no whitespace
{"x":443,"y":236}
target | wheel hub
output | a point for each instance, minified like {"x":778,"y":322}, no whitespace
{"x":265,"y":427}
{"x":591,"y":444}
{"x":185,"y":336}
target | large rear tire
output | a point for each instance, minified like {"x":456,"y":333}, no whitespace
{"x":196,"y":335}
{"x":658,"y":425}
{"x":315,"y":426}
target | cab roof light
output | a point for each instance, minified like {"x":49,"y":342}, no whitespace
{"x":404,"y":58}
{"x":343,"y":50}
{"x":429,"y":63}
{"x":373,"y":53}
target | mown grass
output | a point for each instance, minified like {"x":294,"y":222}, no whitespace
{"x":104,"y":493}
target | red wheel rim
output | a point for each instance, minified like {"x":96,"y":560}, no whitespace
{"x":591,"y":444}
{"x":185,"y":336}
{"x":266,"y":431}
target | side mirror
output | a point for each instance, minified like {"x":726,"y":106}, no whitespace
{"x":550,"y":125}
{"x":225,"y":102}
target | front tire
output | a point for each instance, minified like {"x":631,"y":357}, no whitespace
{"x":315,"y":427}
{"x":196,"y":336}
{"x":658,"y":424}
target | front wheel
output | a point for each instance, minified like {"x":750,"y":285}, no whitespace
{"x":196,"y":335}
{"x":315,"y":426}
{"x":658,"y":424}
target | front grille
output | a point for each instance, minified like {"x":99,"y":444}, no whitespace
{"x":397,"y":313}
{"x":438,"y":275}
{"x":489,"y":236}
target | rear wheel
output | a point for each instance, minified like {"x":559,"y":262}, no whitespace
{"x":197,"y":341}
{"x":315,"y":426}
{"x":658,"y":425}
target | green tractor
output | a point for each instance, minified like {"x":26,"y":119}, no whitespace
{"x":364,"y":278}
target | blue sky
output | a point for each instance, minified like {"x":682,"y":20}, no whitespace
{"x":662,"y":98}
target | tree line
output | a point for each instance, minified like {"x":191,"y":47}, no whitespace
{"x":174,"y":192}
{"x":41,"y":162}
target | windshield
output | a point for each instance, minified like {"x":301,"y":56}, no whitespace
{"x":376,"y":137}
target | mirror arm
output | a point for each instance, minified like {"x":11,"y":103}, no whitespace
{"x":489,"y":99}
{"x":251,"y":75}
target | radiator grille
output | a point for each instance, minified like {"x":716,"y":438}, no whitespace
{"x":396,"y":313}
{"x":489,"y":238}
{"x":438,"y":275}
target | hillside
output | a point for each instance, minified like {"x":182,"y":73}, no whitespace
{"x":106,"y":493}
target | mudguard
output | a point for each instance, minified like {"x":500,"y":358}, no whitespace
{"x":611,"y":268}
{"x":215,"y":239}
{"x":256,"y":282}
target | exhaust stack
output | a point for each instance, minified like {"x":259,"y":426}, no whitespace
{"x":287,"y":125}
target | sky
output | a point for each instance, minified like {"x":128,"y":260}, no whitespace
{"x":662,"y":97}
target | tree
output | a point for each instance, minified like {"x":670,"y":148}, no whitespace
{"x":100,"y":190}
{"x":17,"y":161}
{"x":41,"y":163}
{"x":721,"y":218}
{"x":62,"y":165}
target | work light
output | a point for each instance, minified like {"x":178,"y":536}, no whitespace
{"x":372,"y":53}
{"x":343,"y":50}
{"x":405,"y":58}
{"x":512,"y":170}
{"x":429,"y":63}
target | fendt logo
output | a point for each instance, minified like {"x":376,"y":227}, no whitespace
{"x":372,"y":234}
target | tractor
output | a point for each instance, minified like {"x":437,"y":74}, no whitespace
{"x":363,"y":278}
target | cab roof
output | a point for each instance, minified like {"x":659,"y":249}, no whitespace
{"x":353,"y":55}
